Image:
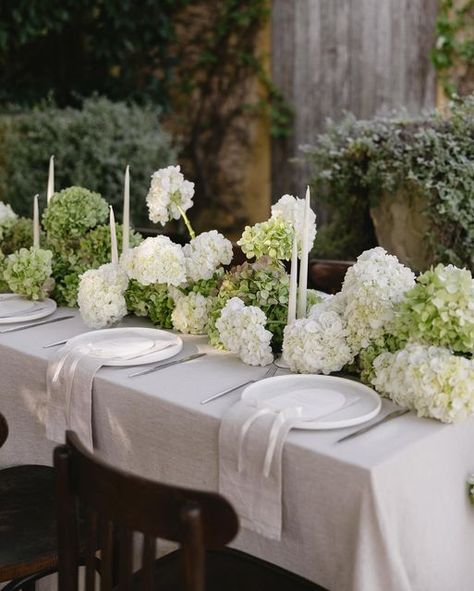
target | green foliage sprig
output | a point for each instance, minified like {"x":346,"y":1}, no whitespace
{"x":355,"y":162}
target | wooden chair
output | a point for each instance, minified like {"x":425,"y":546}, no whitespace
{"x":27,"y":523}
{"x":117,"y":504}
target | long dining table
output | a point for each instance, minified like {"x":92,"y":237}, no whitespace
{"x":386,"y":511}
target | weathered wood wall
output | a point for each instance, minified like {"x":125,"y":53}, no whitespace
{"x":362,"y":56}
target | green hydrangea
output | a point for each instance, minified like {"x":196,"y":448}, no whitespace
{"x":273,"y":238}
{"x":92,"y":252}
{"x":19,"y":235}
{"x":71,"y":213}
{"x":3,"y":284}
{"x":264,"y":284}
{"x":28,"y":272}
{"x":94,"y":249}
{"x":439,"y":310}
{"x":364,"y":363}
{"x":153,"y":301}
{"x":206,"y":287}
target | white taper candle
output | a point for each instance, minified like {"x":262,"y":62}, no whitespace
{"x":50,"y":191}
{"x":36,"y":224}
{"x":126,"y":211}
{"x":113,"y":237}
{"x":303,"y":282}
{"x":293,"y":282}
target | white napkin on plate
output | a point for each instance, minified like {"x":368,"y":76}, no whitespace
{"x":70,"y":378}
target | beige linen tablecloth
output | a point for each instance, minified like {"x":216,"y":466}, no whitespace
{"x":387,"y":511}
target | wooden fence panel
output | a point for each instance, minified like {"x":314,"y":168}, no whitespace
{"x":362,"y":56}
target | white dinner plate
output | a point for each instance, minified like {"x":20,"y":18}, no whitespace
{"x":14,"y":308}
{"x":325,"y":402}
{"x":127,"y":346}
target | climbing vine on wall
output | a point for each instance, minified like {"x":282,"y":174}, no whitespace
{"x":453,"y":55}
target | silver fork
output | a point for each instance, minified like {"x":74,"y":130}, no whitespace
{"x":269,"y":374}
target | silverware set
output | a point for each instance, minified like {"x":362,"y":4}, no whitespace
{"x":33,"y":324}
{"x":385,"y":419}
{"x":148,"y":370}
{"x":269,"y":374}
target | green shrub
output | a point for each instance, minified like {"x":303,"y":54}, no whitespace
{"x":356,"y":161}
{"x":91,"y":146}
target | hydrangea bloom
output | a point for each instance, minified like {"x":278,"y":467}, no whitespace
{"x":430,"y":380}
{"x":156,"y":260}
{"x":191,"y":313}
{"x":71,"y":213}
{"x":17,"y":234}
{"x":264,"y":284}
{"x":291,"y":209}
{"x":317,"y":344}
{"x":440,"y":309}
{"x":205,"y":253}
{"x":7,"y":218}
{"x":273,"y":238}
{"x":371,"y":289}
{"x":242,"y":331}
{"x":153,"y":301}
{"x":28,"y":273}
{"x":101,"y":295}
{"x":168,"y":194}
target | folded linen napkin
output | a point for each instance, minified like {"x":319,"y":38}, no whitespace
{"x":255,"y":496}
{"x":70,"y":379}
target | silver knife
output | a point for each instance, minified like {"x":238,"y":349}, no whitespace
{"x":32,"y":324}
{"x":389,"y":417}
{"x":168,"y":364}
{"x":56,"y":344}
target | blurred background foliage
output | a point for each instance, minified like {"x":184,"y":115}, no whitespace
{"x":91,"y":146}
{"x":357,"y":163}
{"x":453,"y":54}
{"x":182,"y":68}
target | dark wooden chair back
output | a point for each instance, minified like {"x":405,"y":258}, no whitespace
{"x":114,"y":504}
{"x":327,"y":275}
{"x":3,"y":430}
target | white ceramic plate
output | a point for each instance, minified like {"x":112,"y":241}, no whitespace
{"x":128,"y":346}
{"x":326,"y":402}
{"x":14,"y":308}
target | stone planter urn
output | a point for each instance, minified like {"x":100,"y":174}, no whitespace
{"x":402,"y":225}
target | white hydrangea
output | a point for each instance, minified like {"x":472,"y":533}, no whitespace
{"x":191,"y":313}
{"x":291,"y":209}
{"x":7,"y":217}
{"x":369,"y":293}
{"x":205,"y":254}
{"x":329,"y":303}
{"x":101,"y":295}
{"x":156,"y":260}
{"x":430,"y":380}
{"x":242,"y":331}
{"x":317,"y":344}
{"x":168,"y":193}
